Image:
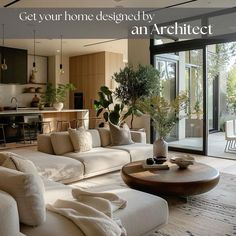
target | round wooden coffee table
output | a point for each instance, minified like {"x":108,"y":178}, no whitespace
{"x":196,"y":179}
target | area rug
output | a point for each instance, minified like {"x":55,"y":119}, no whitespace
{"x":209,"y":214}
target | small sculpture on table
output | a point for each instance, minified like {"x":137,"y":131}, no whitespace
{"x":183,"y":162}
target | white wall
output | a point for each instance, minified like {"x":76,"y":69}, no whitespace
{"x":138,"y":53}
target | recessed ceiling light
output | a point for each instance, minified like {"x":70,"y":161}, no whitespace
{"x":57,"y":50}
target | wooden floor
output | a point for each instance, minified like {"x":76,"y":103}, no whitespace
{"x":10,"y":146}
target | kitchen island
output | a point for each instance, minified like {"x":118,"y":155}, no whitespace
{"x":13,"y":119}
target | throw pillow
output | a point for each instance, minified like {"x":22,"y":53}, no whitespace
{"x":25,"y":189}
{"x":61,"y":143}
{"x":105,"y":136}
{"x":120,"y":135}
{"x":81,"y":139}
{"x":17,"y":162}
{"x":45,"y":144}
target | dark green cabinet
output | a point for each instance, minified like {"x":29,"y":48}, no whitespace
{"x":16,"y":60}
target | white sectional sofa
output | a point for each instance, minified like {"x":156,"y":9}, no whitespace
{"x":57,"y":160}
{"x":144,"y":214}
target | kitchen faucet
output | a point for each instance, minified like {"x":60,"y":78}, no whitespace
{"x":16,"y":102}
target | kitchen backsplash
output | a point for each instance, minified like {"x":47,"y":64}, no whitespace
{"x":9,"y":91}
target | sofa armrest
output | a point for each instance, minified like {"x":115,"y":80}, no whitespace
{"x":138,"y":136}
{"x":9,"y":215}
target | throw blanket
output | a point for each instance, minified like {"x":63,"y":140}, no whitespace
{"x":104,"y":202}
{"x":92,"y":212}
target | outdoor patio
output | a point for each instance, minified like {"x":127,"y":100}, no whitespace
{"x":216,"y":145}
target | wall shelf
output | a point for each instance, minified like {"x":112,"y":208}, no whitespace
{"x":38,"y":83}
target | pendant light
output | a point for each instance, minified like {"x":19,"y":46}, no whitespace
{"x":3,"y":62}
{"x":61,"y":66}
{"x":34,"y":70}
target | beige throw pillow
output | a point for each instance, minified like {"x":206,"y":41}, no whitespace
{"x":120,"y":135}
{"x":17,"y":162}
{"x":61,"y":143}
{"x":25,"y":189}
{"x":105,"y":136}
{"x":81,"y":139}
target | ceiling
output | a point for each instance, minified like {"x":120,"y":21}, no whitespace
{"x":117,"y":3}
{"x":71,"y":47}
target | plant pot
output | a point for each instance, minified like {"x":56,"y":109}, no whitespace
{"x":160,"y":148}
{"x":58,"y":106}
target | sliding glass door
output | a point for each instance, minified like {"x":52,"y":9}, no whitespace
{"x":183,"y":72}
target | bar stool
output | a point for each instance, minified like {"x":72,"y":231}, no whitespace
{"x":42,"y":124}
{"x":3,"y":135}
{"x":97,"y":121}
{"x":79,"y":122}
{"x":29,"y":131}
{"x":60,"y":124}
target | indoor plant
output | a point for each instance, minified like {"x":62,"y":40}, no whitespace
{"x":106,"y":105}
{"x":134,"y":85}
{"x":164,"y":116}
{"x":56,"y":95}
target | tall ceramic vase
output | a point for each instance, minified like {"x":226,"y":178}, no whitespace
{"x":160,"y":148}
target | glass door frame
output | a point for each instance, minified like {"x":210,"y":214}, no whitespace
{"x":178,"y":47}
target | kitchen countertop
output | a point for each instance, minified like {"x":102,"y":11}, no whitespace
{"x":37,"y":111}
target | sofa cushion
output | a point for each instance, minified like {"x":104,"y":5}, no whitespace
{"x":61,"y":143}
{"x":105,"y":136}
{"x":52,"y":167}
{"x":138,"y":136}
{"x":26,"y":190}
{"x":81,"y":139}
{"x":120,"y":135}
{"x":9,"y":215}
{"x":17,"y":162}
{"x":45,"y":144}
{"x":137,"y":151}
{"x":95,"y":137}
{"x":100,"y":160}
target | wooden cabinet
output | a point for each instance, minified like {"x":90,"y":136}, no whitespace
{"x":89,"y":72}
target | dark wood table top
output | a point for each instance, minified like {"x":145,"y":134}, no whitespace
{"x":196,"y":179}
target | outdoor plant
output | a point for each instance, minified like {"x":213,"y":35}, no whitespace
{"x":134,"y":85}
{"x":164,"y":114}
{"x":106,"y":105}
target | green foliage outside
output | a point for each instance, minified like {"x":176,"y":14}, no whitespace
{"x":231,"y":90}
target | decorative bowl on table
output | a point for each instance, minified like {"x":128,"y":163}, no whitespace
{"x":183,"y":162}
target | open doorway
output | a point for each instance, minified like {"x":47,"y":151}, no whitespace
{"x":221,"y":96}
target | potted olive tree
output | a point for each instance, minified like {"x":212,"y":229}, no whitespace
{"x":164,"y":115}
{"x":134,"y":85}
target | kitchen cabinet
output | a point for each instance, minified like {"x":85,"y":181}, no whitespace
{"x":16,"y":60}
